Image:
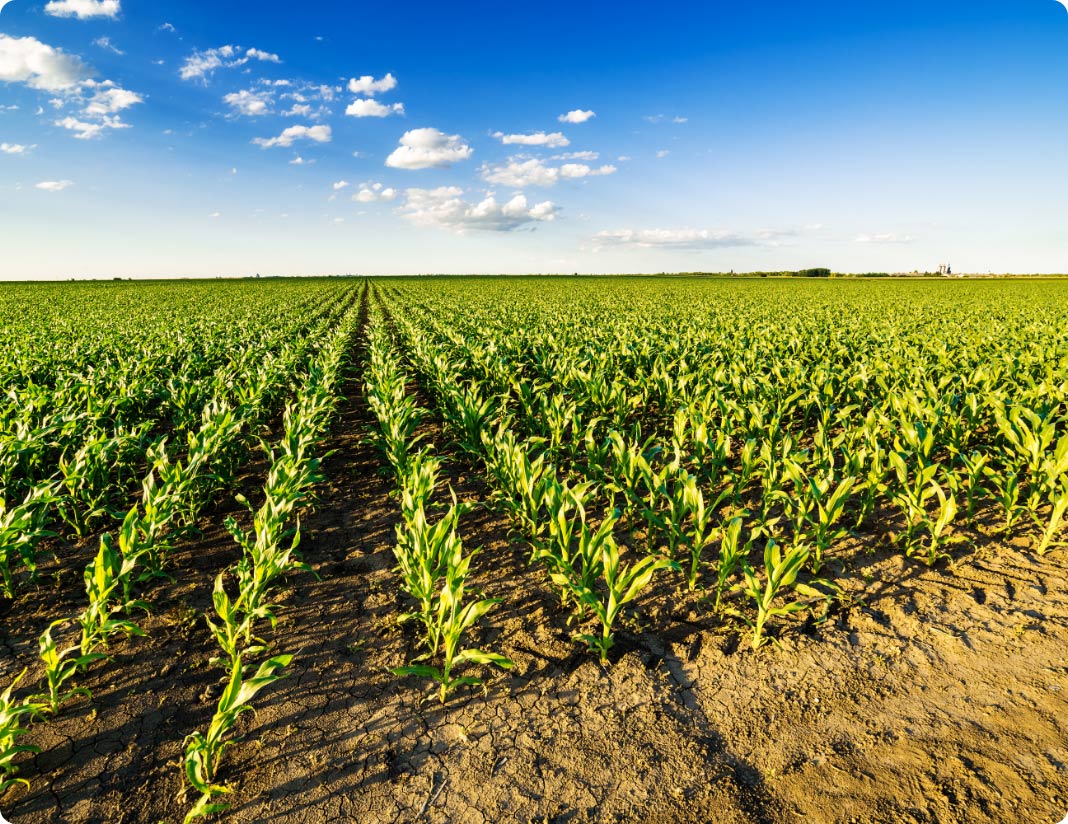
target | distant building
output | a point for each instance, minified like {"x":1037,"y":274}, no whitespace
{"x":944,"y":269}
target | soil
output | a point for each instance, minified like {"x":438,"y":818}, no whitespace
{"x":939,"y":695}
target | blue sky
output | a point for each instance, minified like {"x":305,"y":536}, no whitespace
{"x":144,"y":139}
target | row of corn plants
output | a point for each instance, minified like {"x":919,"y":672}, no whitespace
{"x":269,"y":554}
{"x":431,"y":560}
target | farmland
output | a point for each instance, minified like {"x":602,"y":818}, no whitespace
{"x":534,"y":549}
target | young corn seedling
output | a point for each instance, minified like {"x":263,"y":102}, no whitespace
{"x":687,"y":522}
{"x":423,"y":552}
{"x":61,"y":665}
{"x":780,"y":574}
{"x":575,"y":554}
{"x":204,"y":752}
{"x":731,"y":553}
{"x":1006,"y":487}
{"x":1059,"y":505}
{"x":21,"y":528}
{"x":911,"y":495}
{"x":101,"y":582}
{"x":450,"y":619}
{"x":974,"y":464}
{"x":623,"y":582}
{"x":947,"y":511}
{"x":11,"y":715}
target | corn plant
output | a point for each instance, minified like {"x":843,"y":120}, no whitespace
{"x":450,"y":618}
{"x":1058,"y":507}
{"x":204,"y":751}
{"x":102,"y":580}
{"x":913,"y":491}
{"x":21,"y":528}
{"x":623,"y":583}
{"x":936,"y":527}
{"x":60,"y":666}
{"x":11,"y":715}
{"x":731,"y":554}
{"x":780,"y":574}
{"x":574,"y":553}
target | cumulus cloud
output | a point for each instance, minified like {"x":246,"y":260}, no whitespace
{"x":672,"y":239}
{"x":577,"y":116}
{"x":428,"y":149}
{"x":201,"y":64}
{"x":54,"y":185}
{"x":885,"y":237}
{"x":87,"y":130}
{"x":317,"y":134}
{"x":662,"y":118}
{"x":15,"y":148}
{"x":83,"y":9}
{"x":555,"y":140}
{"x":372,"y":192}
{"x":300,"y":161}
{"x":445,"y":207}
{"x":341,"y":184}
{"x":367,"y":85}
{"x":168,"y":27}
{"x":519,"y":173}
{"x":365,"y":107}
{"x":249,"y":102}
{"x":663,"y":153}
{"x":110,"y":99}
{"x":38,"y":65}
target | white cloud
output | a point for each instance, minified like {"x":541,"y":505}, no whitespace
{"x":663,"y":153}
{"x":341,"y":184}
{"x":446,"y":208}
{"x":167,"y":27}
{"x":369,"y":86}
{"x":519,"y":173}
{"x":110,"y":100}
{"x":555,"y":140}
{"x":576,"y":170}
{"x":300,"y":161}
{"x":298,"y":110}
{"x":105,"y":43}
{"x":86,"y":130}
{"x":38,"y":65}
{"x":259,"y":54}
{"x":365,"y":107}
{"x":577,"y":116}
{"x":250,"y":103}
{"x":591,"y":156}
{"x":201,"y":64}
{"x":83,"y":9}
{"x":428,"y":149}
{"x":15,"y":148}
{"x":318,"y":134}
{"x":885,"y":237}
{"x":672,"y":239}
{"x":372,"y":192}
{"x":54,"y":185}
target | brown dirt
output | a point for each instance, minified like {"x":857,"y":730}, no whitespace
{"x":939,"y":696}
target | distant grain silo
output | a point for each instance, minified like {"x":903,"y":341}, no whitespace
{"x":944,"y":269}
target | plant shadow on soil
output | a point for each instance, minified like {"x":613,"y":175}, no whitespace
{"x":934,"y":696}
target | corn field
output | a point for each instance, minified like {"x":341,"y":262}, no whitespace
{"x":745,"y":452}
